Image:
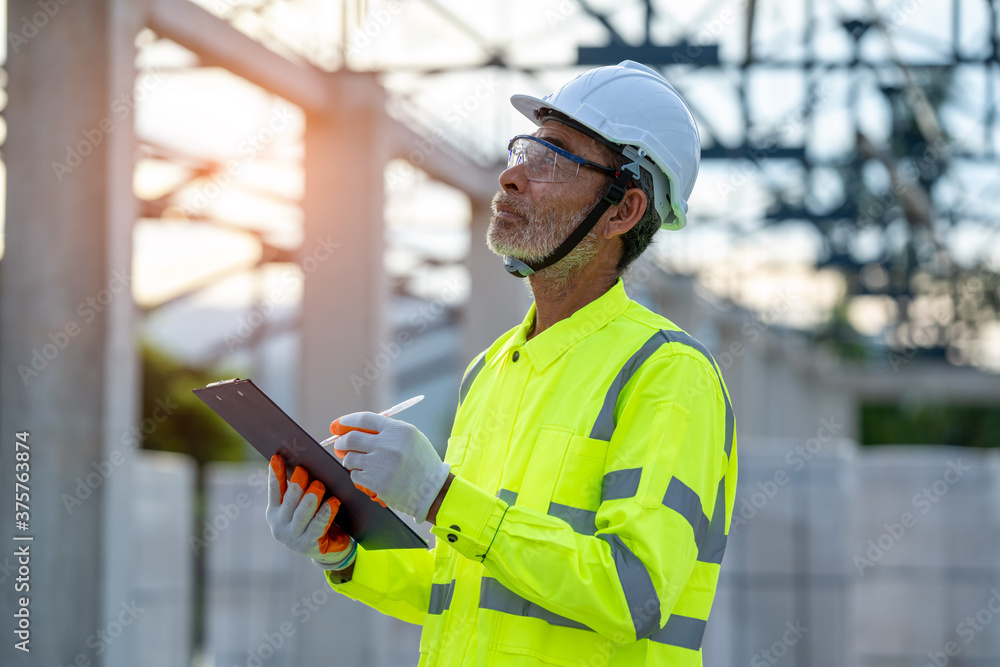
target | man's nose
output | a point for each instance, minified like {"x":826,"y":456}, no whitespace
{"x":512,"y":179}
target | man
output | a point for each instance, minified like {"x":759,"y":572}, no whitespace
{"x":582,"y":507}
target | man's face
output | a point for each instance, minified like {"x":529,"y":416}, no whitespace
{"x":531,"y":218}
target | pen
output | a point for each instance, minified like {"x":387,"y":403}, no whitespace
{"x":339,"y":429}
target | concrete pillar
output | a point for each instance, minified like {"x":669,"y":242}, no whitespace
{"x":345,"y":290}
{"x":343,"y":366}
{"x":497,"y":301}
{"x":68,"y":363}
{"x":121,"y":370}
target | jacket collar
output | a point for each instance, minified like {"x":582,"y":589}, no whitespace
{"x":549,"y":345}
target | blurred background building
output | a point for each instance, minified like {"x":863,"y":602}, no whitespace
{"x":297,"y":191}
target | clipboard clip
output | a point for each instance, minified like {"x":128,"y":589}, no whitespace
{"x":216,"y":384}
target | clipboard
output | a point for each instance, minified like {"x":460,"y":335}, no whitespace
{"x":266,"y":426}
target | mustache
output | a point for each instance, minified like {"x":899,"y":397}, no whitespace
{"x":511,"y":202}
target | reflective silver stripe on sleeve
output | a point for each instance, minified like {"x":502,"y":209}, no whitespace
{"x":508,"y":497}
{"x":718,"y":524}
{"x":619,"y":484}
{"x":605,"y":424}
{"x":581,"y":521}
{"x":683,"y":500}
{"x":682,"y":631}
{"x":643,"y":602}
{"x":470,"y":377}
{"x":715,"y":541}
{"x":440,"y":597}
{"x":497,"y":597}
{"x":712,"y":549}
{"x":710,"y":538}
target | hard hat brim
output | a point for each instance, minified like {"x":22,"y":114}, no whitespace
{"x":530,"y":106}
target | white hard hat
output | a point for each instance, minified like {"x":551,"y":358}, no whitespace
{"x":629,"y":104}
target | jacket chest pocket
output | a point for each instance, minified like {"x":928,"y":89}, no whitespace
{"x":563,"y":477}
{"x":544,"y":466}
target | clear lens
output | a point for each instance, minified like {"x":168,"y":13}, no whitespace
{"x":541,"y":163}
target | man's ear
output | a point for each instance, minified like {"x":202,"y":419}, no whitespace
{"x":626,"y":213}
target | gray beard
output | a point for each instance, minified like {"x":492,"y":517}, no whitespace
{"x":546,"y":235}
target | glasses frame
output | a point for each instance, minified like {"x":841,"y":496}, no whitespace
{"x":579,"y":161}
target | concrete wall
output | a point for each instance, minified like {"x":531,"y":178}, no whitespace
{"x":883,"y":554}
{"x":925,"y":556}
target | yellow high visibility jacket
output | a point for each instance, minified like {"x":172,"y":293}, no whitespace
{"x":595,"y":478}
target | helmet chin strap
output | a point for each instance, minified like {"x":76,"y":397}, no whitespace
{"x":613,"y":195}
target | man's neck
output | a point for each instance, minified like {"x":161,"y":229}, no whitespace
{"x":555,"y":302}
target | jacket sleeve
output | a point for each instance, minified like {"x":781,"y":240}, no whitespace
{"x":396,"y":582}
{"x":665,"y":471}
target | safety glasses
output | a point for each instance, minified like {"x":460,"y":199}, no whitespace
{"x":546,"y":162}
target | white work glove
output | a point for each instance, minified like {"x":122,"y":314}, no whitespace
{"x":397,"y":465}
{"x":297,"y":524}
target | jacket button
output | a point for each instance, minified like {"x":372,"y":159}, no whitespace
{"x":456,"y":529}
{"x":516,"y":355}
{"x":453,"y":538}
